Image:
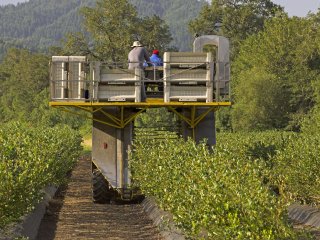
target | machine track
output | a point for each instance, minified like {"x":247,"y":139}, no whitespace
{"x":73,"y":215}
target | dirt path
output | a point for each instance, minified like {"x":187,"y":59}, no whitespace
{"x":73,"y":215}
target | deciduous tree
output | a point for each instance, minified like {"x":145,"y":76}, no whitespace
{"x":274,"y":74}
{"x":235,"y":19}
{"x":112,"y":26}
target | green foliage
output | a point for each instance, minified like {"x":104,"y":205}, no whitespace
{"x":156,"y":117}
{"x":239,"y":190}
{"x":273,"y":75}
{"x":297,"y":169}
{"x":111,"y":24}
{"x":311,"y":122}
{"x":74,"y":44}
{"x":235,"y":19}
{"x":154,"y":33}
{"x":260,"y":99}
{"x":227,"y":194}
{"x":176,"y":14}
{"x":223,"y":121}
{"x":31,"y":159}
{"x":291,"y":161}
{"x":22,"y":76}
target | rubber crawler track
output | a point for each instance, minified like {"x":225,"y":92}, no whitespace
{"x":73,"y":215}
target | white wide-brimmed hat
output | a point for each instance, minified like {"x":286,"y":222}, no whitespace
{"x":136,"y":44}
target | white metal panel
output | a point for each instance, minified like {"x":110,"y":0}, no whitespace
{"x":68,"y":77}
{"x":114,"y":92}
{"x":60,"y":58}
{"x":191,"y":58}
{"x":199,"y":75}
{"x":188,"y":76}
{"x":118,"y":84}
{"x":114,"y":75}
{"x":80,"y":59}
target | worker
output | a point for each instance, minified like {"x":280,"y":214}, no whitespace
{"x":156,"y":59}
{"x":137,"y":56}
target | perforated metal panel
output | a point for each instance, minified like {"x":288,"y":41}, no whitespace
{"x":188,"y":77}
{"x":119,"y":93}
{"x":187,"y":58}
{"x":68,"y":78}
{"x":119,"y":84}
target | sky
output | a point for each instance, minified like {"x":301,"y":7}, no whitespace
{"x":5,"y":2}
{"x":298,"y":8}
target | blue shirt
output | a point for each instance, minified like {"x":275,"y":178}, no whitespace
{"x":156,"y":60}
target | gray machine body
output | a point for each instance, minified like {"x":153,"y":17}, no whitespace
{"x":110,"y":145}
{"x":110,"y":149}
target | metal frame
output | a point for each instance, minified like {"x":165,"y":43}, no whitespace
{"x":121,"y":121}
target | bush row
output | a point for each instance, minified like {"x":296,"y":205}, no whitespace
{"x":290,"y":159}
{"x":239,"y":190}
{"x":31,"y":159}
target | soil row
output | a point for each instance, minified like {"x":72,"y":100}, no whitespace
{"x":71,"y":214}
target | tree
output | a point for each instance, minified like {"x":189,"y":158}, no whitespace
{"x":260,"y":101}
{"x":22,"y":76}
{"x":234,"y":19}
{"x":75,"y":44}
{"x":274,"y":73}
{"x":112,"y":26}
{"x":154,"y":33}
{"x":176,"y":13}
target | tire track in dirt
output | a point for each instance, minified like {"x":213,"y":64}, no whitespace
{"x":71,"y":214}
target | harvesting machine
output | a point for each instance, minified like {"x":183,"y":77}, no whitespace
{"x":192,"y":85}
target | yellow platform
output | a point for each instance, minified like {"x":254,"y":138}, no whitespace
{"x":126,"y":115}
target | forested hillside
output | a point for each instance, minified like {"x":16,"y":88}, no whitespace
{"x":39,"y":24}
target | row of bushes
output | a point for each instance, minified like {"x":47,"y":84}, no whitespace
{"x":290,"y":161}
{"x":31,"y":159}
{"x":239,"y":190}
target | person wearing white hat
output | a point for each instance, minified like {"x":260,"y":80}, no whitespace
{"x":137,"y":56}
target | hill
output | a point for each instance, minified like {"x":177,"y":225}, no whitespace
{"x":38,"y":24}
